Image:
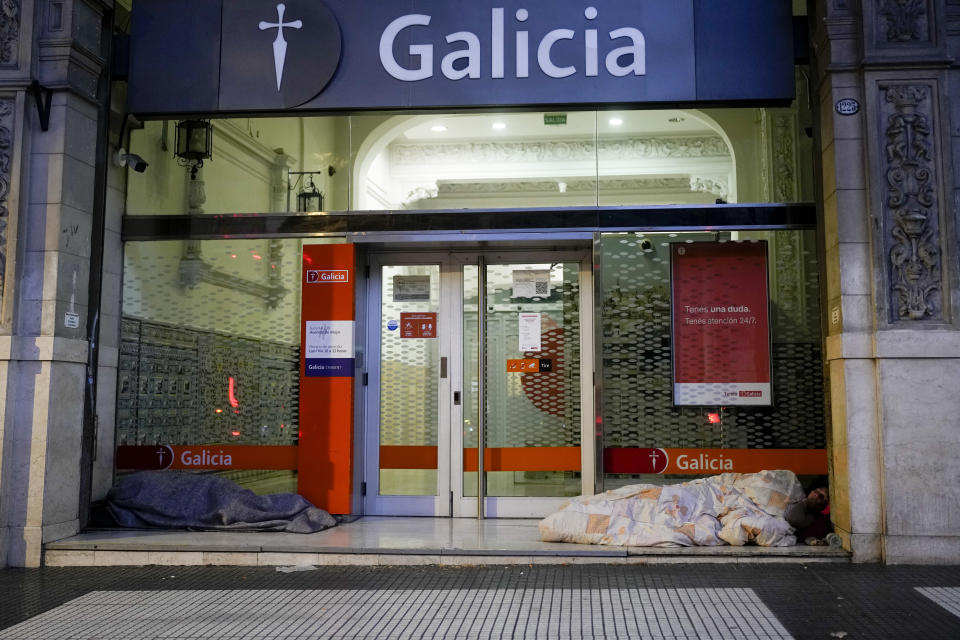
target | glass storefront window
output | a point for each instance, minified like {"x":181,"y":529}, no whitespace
{"x":209,"y":356}
{"x":258,"y":165}
{"x":635,"y":338}
{"x":401,"y":161}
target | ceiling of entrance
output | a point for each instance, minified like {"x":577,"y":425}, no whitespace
{"x":583,"y":124}
{"x":526,"y":160}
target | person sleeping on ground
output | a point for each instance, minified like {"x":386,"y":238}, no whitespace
{"x":731,"y":508}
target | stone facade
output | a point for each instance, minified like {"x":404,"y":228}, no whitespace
{"x":47,"y":182}
{"x":890,"y":236}
{"x":889,"y":197}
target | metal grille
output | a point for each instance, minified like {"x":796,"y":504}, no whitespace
{"x":638,"y":408}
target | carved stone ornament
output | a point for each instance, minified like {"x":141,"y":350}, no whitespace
{"x":912,"y":214}
{"x":906,"y":20}
{"x":9,"y":31}
{"x":784,"y":159}
{"x":6,"y":160}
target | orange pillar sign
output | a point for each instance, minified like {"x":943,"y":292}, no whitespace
{"x":325,"y":458}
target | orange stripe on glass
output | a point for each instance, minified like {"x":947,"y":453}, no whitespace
{"x":495,"y":459}
{"x":408,"y":457}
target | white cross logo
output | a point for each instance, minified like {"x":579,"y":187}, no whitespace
{"x":280,"y":45}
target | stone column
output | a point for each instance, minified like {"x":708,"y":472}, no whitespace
{"x":890,"y":253}
{"x":46,"y":198}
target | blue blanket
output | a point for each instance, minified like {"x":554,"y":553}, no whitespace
{"x":167,"y":499}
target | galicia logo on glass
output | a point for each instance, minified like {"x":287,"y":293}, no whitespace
{"x":276,"y":55}
{"x":327,"y":275}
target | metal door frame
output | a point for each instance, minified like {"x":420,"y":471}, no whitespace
{"x":449,"y":500}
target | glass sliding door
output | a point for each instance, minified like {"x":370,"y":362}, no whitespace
{"x":425,"y":408}
{"x":406,"y":381}
{"x":532,"y":385}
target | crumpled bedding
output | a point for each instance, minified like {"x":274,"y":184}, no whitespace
{"x":732,"y":508}
{"x":168,"y":499}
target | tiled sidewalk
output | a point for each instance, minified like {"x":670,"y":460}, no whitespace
{"x":516,"y":601}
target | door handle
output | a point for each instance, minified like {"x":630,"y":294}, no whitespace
{"x":456,"y":397}
{"x":443,"y":367}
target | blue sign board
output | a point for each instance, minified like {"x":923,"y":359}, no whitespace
{"x":242,"y":56}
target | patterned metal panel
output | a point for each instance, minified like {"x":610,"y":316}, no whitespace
{"x":638,"y":408}
{"x":174,"y":387}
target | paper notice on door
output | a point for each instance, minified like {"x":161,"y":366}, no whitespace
{"x":530,"y":332}
{"x":411,"y":288}
{"x":531,"y":284}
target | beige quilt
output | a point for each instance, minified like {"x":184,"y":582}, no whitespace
{"x":732,"y":508}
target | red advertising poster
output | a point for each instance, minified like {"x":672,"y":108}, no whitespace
{"x":325,"y":449}
{"x":721,"y":332}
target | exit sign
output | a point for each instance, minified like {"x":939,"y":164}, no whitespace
{"x":554,"y":118}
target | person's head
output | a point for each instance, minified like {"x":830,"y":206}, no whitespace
{"x":818,"y":499}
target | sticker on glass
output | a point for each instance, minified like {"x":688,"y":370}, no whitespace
{"x":531,"y":284}
{"x":411,"y":288}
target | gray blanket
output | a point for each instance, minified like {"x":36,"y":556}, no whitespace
{"x":168,"y":499}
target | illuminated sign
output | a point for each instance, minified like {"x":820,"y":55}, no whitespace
{"x":236,"y":56}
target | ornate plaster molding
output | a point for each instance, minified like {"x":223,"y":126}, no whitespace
{"x":9,"y":32}
{"x":717,"y":185}
{"x":561,"y":150}
{"x":906,"y":20}
{"x":6,"y":164}
{"x":911,"y":211}
{"x":789,"y":275}
{"x":195,"y":270}
{"x":572,"y":185}
{"x":421,"y":192}
{"x":784,"y":159}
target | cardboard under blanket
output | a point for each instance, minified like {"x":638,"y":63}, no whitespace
{"x":732,"y":508}
{"x":173,"y":500}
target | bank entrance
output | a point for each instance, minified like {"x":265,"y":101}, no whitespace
{"x":471,"y":350}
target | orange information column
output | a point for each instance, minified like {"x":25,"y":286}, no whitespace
{"x":325,"y":458}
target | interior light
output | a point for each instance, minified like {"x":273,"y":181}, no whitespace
{"x":713,"y":418}
{"x":616,"y":122}
{"x":235,"y":433}
{"x":499,"y":125}
{"x":439,"y":128}
{"x":231,"y":393}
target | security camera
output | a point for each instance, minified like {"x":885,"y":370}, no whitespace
{"x":646,"y":245}
{"x":123,"y":159}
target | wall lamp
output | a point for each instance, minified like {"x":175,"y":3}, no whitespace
{"x":194,"y":144}
{"x":309,"y":197}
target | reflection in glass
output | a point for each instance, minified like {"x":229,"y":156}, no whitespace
{"x":210,"y":343}
{"x":524,"y":410}
{"x":638,"y":409}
